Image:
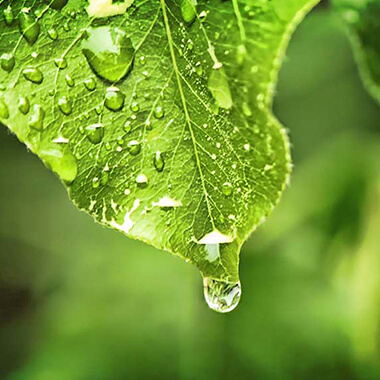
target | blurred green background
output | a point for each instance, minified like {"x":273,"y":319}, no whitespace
{"x":79,"y":302}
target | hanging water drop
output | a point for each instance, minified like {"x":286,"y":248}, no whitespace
{"x":158,"y":161}
{"x":29,"y":26}
{"x":221,"y":296}
{"x":109,"y":52}
{"x":33,"y":74}
{"x":114,"y":99}
{"x":7,"y":62}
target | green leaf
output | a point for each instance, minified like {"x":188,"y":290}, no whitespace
{"x":363,"y":20}
{"x":158,"y":120}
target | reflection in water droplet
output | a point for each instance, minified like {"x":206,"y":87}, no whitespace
{"x":221,"y":296}
{"x":109,"y":52}
{"x":159,"y":112}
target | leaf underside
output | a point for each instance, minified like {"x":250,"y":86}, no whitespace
{"x":186,"y":155}
{"x":363,"y":21}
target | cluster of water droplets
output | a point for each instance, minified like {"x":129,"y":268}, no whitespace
{"x":111,"y":56}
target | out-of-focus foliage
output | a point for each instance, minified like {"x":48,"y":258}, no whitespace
{"x":363,"y":20}
{"x":98,"y":306}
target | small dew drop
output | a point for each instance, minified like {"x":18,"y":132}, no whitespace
{"x":158,"y":161}
{"x":69,"y":80}
{"x":29,"y":26}
{"x":7,"y":62}
{"x":227,"y":189}
{"x":114,"y":99}
{"x":33,"y":75}
{"x":159,"y":112}
{"x":23,"y":104}
{"x":134,"y":147}
{"x":135,"y":107}
{"x":90,"y":84}
{"x":221,"y":296}
{"x":95,"y":133}
{"x":95,"y":182}
{"x":64,"y":105}
{"x":61,"y":63}
{"x":142,"y":181}
{"x":53,"y":34}
{"x":188,"y":10}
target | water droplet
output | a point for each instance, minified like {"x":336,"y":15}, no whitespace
{"x":95,"y":182}
{"x":199,"y":69}
{"x":90,"y":84}
{"x":33,"y":74}
{"x":114,"y":99}
{"x":95,"y":133}
{"x":142,"y":181}
{"x":23,"y":104}
{"x":159,"y":112}
{"x":64,"y":105}
{"x":53,"y":34}
{"x":69,"y":80}
{"x":135,"y":107}
{"x":221,"y":296}
{"x":227,"y":189}
{"x":188,"y":10}
{"x":220,"y":89}
{"x":29,"y":26}
{"x":134,"y":147}
{"x":4,"y":111}
{"x":7,"y":62}
{"x":127,"y":126}
{"x":159,"y":161}
{"x":36,"y":119}
{"x":105,"y":177}
{"x":109,"y":52}
{"x":61,"y":63}
{"x":8,"y":15}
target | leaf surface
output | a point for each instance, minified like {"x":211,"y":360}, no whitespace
{"x":363,"y":21}
{"x":158,"y":119}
